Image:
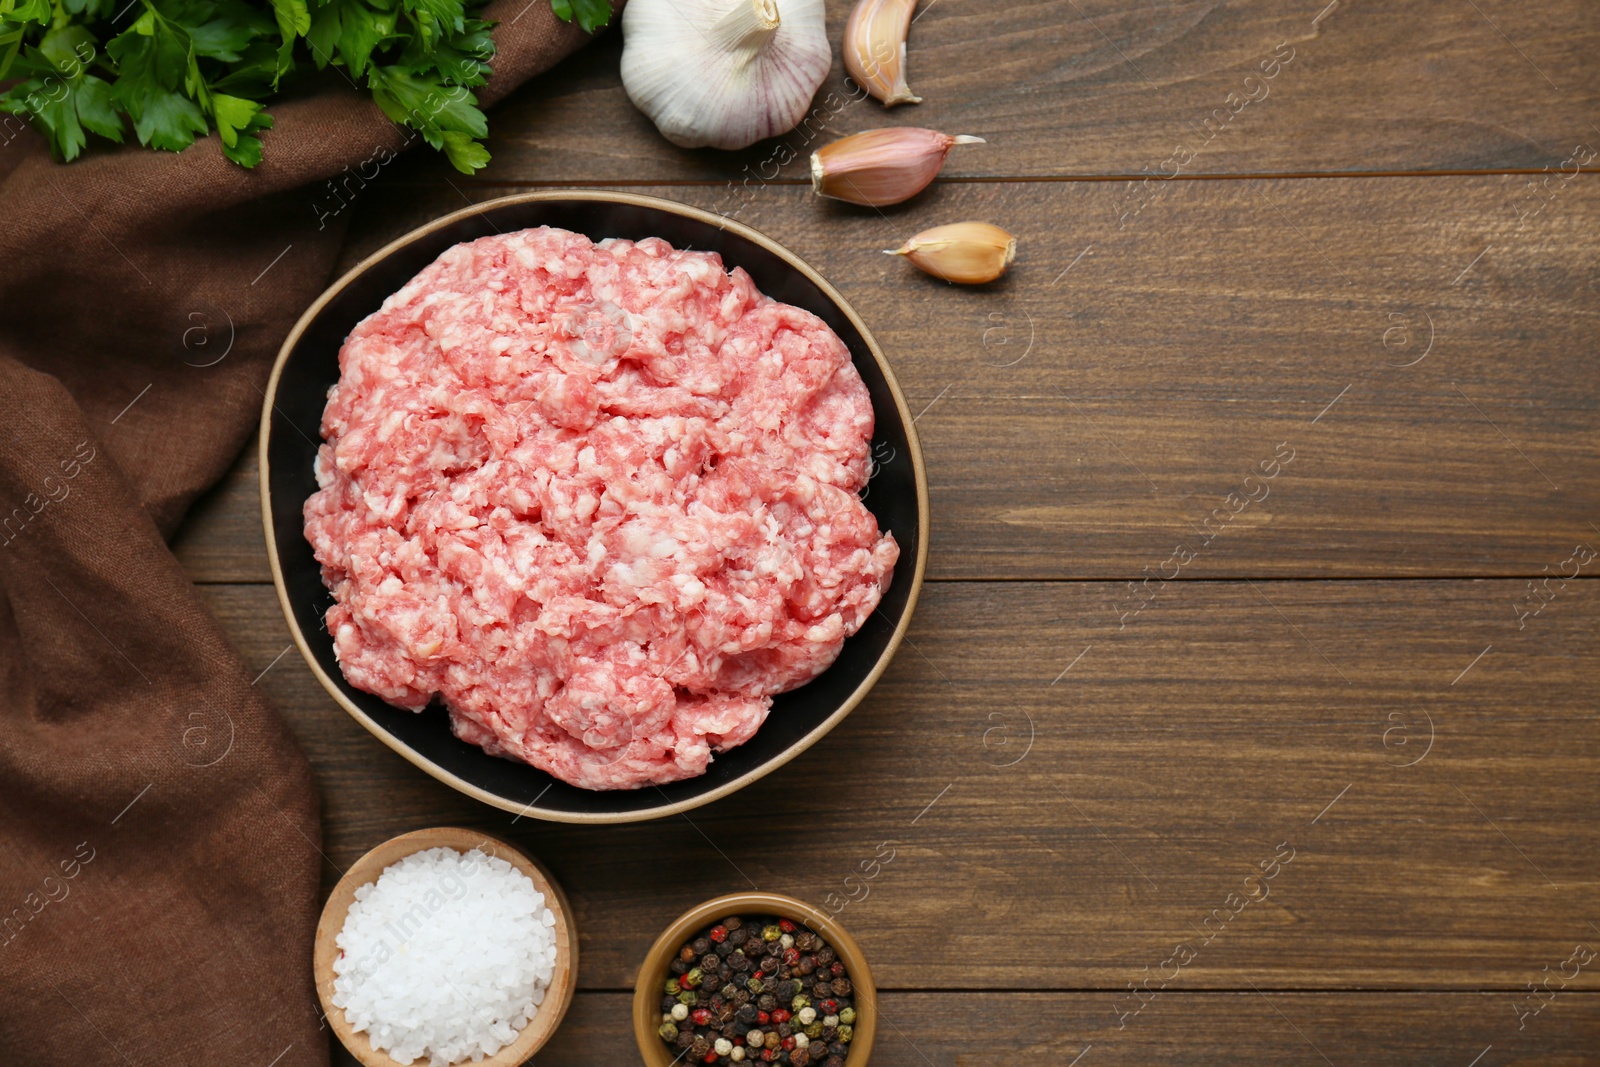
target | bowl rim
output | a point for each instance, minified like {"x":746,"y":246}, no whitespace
{"x":366,"y":870}
{"x":653,"y":970}
{"x":919,"y":476}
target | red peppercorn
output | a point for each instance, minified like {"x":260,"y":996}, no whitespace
{"x":837,"y":969}
{"x":788,"y":1042}
{"x":781,"y":1016}
{"x":829,"y":1007}
{"x":770,"y":1054}
{"x":701,"y":1016}
{"x":711,"y":1057}
{"x":786,"y":926}
{"x":791,"y":957}
{"x":718,"y":934}
{"x":763,"y":1017}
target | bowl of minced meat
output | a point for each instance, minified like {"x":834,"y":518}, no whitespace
{"x":594,"y":506}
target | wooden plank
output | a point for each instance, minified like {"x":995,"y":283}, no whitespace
{"x":1180,"y":1030}
{"x":1085,"y":416}
{"x":1068,"y":800}
{"x":221,"y":539}
{"x":1096,"y":87}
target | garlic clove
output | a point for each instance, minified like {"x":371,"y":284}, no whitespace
{"x":881,"y":167}
{"x":724,"y":73}
{"x":969,"y":253}
{"x":875,"y":49}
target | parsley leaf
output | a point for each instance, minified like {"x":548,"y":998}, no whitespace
{"x":183,"y":68}
{"x":591,"y":14}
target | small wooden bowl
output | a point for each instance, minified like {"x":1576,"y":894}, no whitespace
{"x":657,"y":962}
{"x":367,"y":869}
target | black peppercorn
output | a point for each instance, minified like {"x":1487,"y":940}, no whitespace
{"x":741,"y":969}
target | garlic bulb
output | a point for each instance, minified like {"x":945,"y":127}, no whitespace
{"x":970,"y":253}
{"x":882,"y":167}
{"x":723,"y":73}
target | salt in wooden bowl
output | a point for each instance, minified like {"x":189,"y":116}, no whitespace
{"x":558,"y":997}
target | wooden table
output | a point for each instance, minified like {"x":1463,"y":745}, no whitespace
{"x":1313,"y":754}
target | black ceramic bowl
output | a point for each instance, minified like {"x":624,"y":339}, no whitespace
{"x":308,"y":366}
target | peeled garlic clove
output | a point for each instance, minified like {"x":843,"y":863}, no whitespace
{"x":970,"y":253}
{"x":724,"y":73}
{"x":881,"y":167}
{"x":875,"y":49}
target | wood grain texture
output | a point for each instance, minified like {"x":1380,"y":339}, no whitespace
{"x":1097,"y":87}
{"x":1179,"y":1030}
{"x":1068,"y":799}
{"x":1423,"y":350}
{"x":1084,"y":783}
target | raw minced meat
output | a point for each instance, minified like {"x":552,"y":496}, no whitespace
{"x":601,"y":499}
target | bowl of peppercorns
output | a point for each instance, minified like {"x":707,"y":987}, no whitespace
{"x":755,"y":979}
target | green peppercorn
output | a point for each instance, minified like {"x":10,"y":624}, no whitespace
{"x":668,"y":1032}
{"x":847,"y":1016}
{"x":814,"y":1030}
{"x":693,"y":977}
{"x":771,"y":933}
{"x":688,"y":997}
{"x":846,"y":1032}
{"x":800,"y":1001}
{"x":671,"y":987}
{"x":755,"y":985}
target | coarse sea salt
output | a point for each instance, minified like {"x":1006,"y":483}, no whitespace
{"x":446,"y":957}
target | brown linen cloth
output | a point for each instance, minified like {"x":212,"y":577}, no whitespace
{"x":160,"y":851}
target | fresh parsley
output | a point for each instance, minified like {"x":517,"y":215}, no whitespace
{"x":170,"y":71}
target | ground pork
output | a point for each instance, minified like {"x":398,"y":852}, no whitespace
{"x":599,"y":499}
